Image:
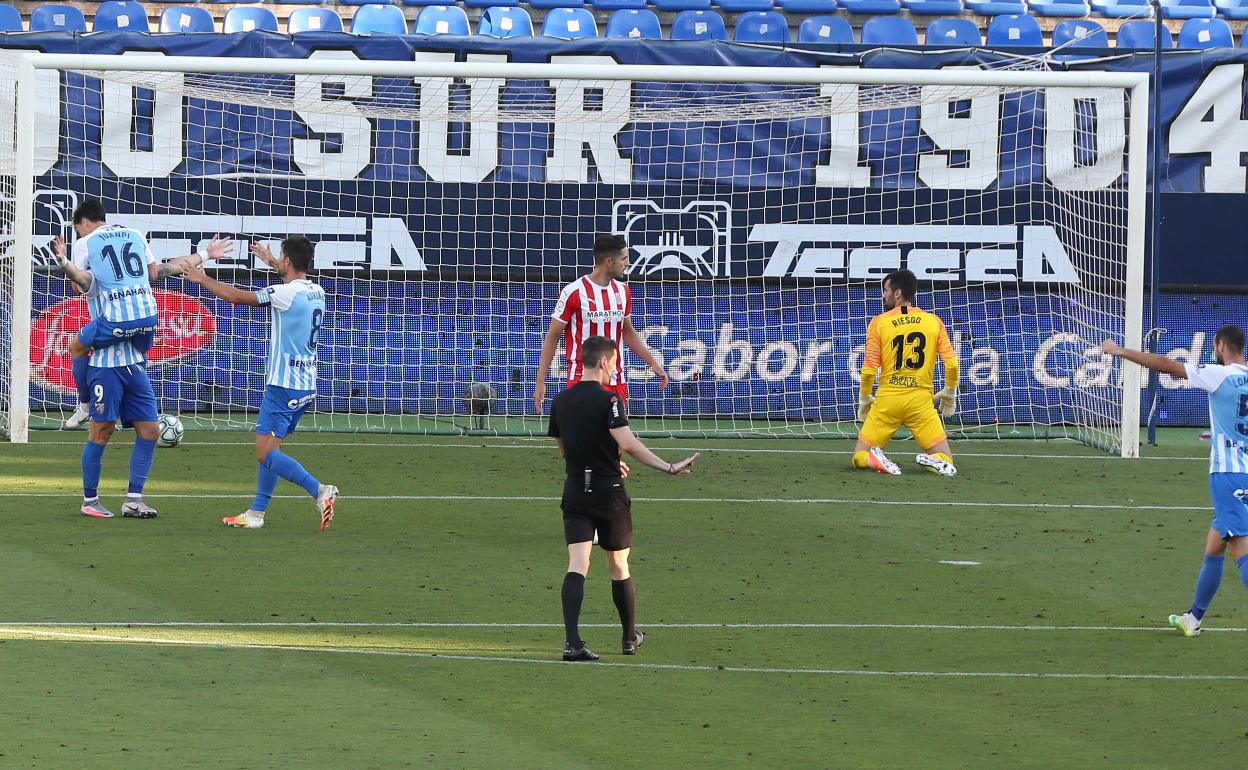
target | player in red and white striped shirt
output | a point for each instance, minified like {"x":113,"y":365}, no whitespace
{"x":598,"y":304}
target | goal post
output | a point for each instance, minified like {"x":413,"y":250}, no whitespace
{"x":451,"y":201}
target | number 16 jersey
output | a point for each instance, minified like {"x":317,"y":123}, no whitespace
{"x":903,"y":344}
{"x":117,"y":258}
{"x":298,"y":312}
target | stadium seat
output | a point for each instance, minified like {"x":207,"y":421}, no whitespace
{"x":1140,"y":35}
{"x":682,"y":5}
{"x":423,"y":2}
{"x":313,"y":20}
{"x":1072,"y":8}
{"x":761,"y":27}
{"x":617,"y":5}
{"x":546,"y":4}
{"x":638,"y":24}
{"x":996,"y":7}
{"x":376,"y":19}
{"x":569,"y":23}
{"x":1079,"y":33}
{"x":1015,"y":29}
{"x":187,"y":18}
{"x":246,"y":19}
{"x":743,"y":6}
{"x":1206,"y":33}
{"x":120,"y":15}
{"x":810,"y":6}
{"x":825,"y":29}
{"x":57,"y":18}
{"x":952,"y":31}
{"x":879,"y":7}
{"x":302,"y":2}
{"x":495,"y":3}
{"x":1187,"y":9}
{"x":885,"y":30}
{"x":358,"y":2}
{"x":442,"y":20}
{"x":933,"y":7}
{"x":1232,"y":9}
{"x":505,"y":21}
{"x":10,"y":19}
{"x":698,"y":25}
{"x":1123,"y":9}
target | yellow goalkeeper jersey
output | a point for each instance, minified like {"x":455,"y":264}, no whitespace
{"x":903,"y":344}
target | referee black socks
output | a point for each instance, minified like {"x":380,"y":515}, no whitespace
{"x":626,"y":603}
{"x":573,"y":594}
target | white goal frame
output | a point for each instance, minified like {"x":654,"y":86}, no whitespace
{"x":28,"y":65}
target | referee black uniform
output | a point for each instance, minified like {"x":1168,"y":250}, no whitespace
{"x":594,"y":497}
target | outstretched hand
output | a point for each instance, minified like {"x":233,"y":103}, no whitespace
{"x":264,"y":254}
{"x":1111,"y":347}
{"x":58,"y":246}
{"x":685,"y":466}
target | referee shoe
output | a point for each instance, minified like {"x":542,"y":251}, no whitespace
{"x":631,"y":645}
{"x":573,"y":654}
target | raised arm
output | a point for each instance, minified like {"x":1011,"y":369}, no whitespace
{"x":217,"y":248}
{"x":643,"y":351}
{"x":1154,"y":361}
{"x":81,"y":278}
{"x":231,"y":294}
{"x":632,"y":445}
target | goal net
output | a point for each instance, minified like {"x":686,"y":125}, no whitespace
{"x":451,"y":202}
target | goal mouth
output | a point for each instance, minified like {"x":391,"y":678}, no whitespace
{"x":451,"y":201}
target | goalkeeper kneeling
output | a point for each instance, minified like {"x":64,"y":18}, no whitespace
{"x":902,"y":345}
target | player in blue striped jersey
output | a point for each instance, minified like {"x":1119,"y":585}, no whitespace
{"x":297,"y":310}
{"x":1227,"y":385}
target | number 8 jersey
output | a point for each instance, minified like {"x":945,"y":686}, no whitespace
{"x":298,"y":311}
{"x":120,"y":287}
{"x":903,"y":344}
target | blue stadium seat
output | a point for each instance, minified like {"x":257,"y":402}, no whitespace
{"x":1015,"y":29}
{"x":879,"y":7}
{"x":424,"y":2}
{"x":812,"y":6}
{"x":638,"y":24}
{"x":313,"y":20}
{"x":1187,"y":9}
{"x":761,"y":27}
{"x":555,"y":3}
{"x":302,"y":2}
{"x":10,"y":19}
{"x":825,"y":29}
{"x":187,"y":18}
{"x":617,"y":5}
{"x":1080,"y":33}
{"x":933,"y":7}
{"x":505,"y":21}
{"x":996,"y":7}
{"x":1232,"y":9}
{"x":569,"y":23}
{"x":682,"y":5}
{"x":698,"y":25}
{"x":743,"y":6}
{"x":493,"y":3}
{"x":442,"y":20}
{"x":952,"y":31}
{"x":886,"y":30}
{"x":246,"y":18}
{"x":1139,"y":35}
{"x":1206,"y":33}
{"x":377,"y":19}
{"x":57,"y":18}
{"x":1123,"y":9}
{"x":1074,"y":8}
{"x":361,"y":2}
{"x":120,"y":15}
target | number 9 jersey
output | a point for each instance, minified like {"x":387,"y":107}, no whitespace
{"x":903,"y":344}
{"x":298,"y":312}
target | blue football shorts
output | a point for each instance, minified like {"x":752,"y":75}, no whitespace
{"x":281,"y":410}
{"x":121,"y":393}
{"x":101,"y":333}
{"x":1229,"y":493}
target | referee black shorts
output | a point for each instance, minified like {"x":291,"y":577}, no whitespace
{"x":607,"y":509}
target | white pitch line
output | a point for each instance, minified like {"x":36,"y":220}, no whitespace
{"x":101,"y":639}
{"x":701,"y":500}
{"x":10,"y":625}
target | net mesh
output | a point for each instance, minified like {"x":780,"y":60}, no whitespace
{"x":449,"y":212}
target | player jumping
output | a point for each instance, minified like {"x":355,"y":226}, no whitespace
{"x":298,"y":312}
{"x":902,"y":344}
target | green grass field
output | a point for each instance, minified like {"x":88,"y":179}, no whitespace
{"x":798,"y":613}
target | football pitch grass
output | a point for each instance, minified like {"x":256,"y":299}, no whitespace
{"x":798,"y":613}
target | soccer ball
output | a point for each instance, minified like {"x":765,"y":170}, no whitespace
{"x":170,"y":431}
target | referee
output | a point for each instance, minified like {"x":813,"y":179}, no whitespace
{"x":590,"y":426}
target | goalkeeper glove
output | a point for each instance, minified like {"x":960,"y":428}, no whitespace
{"x":948,"y":399}
{"x":864,"y":406}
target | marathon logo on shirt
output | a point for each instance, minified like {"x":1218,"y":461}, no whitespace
{"x":603,"y":316}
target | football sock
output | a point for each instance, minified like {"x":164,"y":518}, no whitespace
{"x":266,"y":482}
{"x":289,"y":468}
{"x":1242,"y":563}
{"x":92,"y":457}
{"x":80,"y":368}
{"x":573,"y":594}
{"x":1207,"y":585}
{"x":860,"y":459}
{"x":626,"y":603}
{"x":140,"y":464}
{"x":943,"y":456}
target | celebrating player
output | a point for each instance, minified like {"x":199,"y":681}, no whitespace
{"x":1227,"y":385}
{"x":297,"y":312}
{"x":598,"y":304}
{"x":902,"y":344}
{"x":119,"y":262}
{"x":114,"y":267}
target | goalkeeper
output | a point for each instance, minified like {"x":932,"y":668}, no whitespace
{"x":902,"y":345}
